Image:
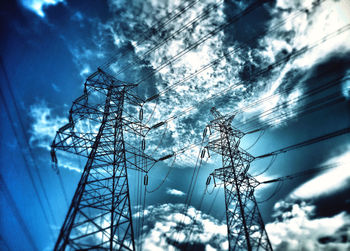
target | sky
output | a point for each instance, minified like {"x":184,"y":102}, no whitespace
{"x":282,"y":66}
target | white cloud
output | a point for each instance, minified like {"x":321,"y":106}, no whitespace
{"x":301,"y":24}
{"x":315,"y":21}
{"x":55,"y":87}
{"x":132,"y":23}
{"x":346,"y":86}
{"x":161,"y":230}
{"x":45,"y":125}
{"x":88,"y":54}
{"x":328,"y":181}
{"x":187,"y":93}
{"x":37,"y":5}
{"x":297,"y":229}
{"x":67,"y":162}
{"x":78,"y":16}
{"x":306,"y":22}
{"x":85,"y":71}
{"x":175,"y":192}
{"x":43,"y":130}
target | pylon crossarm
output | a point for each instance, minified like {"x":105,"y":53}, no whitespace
{"x":134,"y":100}
{"x":102,"y":80}
{"x":137,"y":128}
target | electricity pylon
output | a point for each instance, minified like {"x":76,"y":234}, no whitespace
{"x":245,"y":226}
{"x":100,"y":216}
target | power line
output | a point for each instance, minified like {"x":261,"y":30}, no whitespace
{"x":26,"y":165}
{"x":262,"y":128}
{"x":218,"y":60}
{"x":276,"y":191}
{"x":149,"y":34}
{"x":194,"y":220}
{"x":26,"y":140}
{"x":214,"y":62}
{"x":307,"y":172}
{"x":213,"y":202}
{"x":288,"y":57}
{"x":302,"y":109}
{"x":176,"y":15}
{"x":184,"y":27}
{"x":316,"y":78}
{"x":270,"y":67}
{"x":280,"y":180}
{"x":205,"y":38}
{"x":5,"y":244}
{"x":205,"y":13}
{"x":231,"y":20}
{"x":17,"y":214}
{"x":260,"y":72}
{"x":191,"y":187}
{"x":316,"y":105}
{"x":273,"y":159}
{"x":165,"y":177}
{"x":306,"y":142}
{"x":245,"y":227}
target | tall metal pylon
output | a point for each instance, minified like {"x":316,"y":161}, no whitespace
{"x":100,"y":216}
{"x":246,"y":230}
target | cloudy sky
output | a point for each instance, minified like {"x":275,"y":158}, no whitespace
{"x":283,"y":66}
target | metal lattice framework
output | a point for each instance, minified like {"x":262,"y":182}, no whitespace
{"x":245,"y":226}
{"x":100,"y":217}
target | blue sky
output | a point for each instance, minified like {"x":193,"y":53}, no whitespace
{"x":48,"y":48}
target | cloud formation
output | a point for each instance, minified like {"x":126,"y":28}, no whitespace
{"x":175,"y":192}
{"x":295,"y":228}
{"x":143,"y":41}
{"x":298,"y":223}
{"x":37,"y":6}
{"x":153,"y":54}
{"x":291,"y":27}
{"x":346,"y":86}
{"x":45,"y":125}
{"x":329,"y":181}
{"x":296,"y":25}
{"x":169,"y":227}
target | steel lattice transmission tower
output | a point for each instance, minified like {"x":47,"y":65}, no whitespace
{"x":245,"y":226}
{"x":100,"y":217}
